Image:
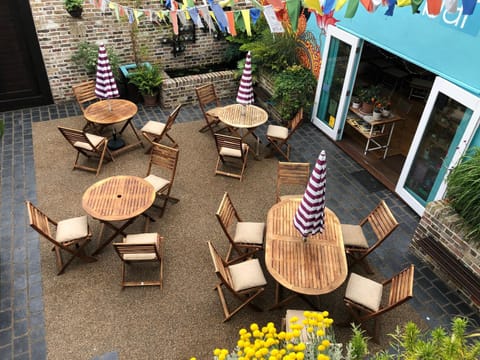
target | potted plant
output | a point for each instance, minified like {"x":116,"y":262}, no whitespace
{"x":74,"y":7}
{"x":148,"y":79}
{"x":369,"y":97}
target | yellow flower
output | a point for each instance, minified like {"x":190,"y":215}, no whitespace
{"x":242,"y":331}
{"x":300,"y":356}
{"x":293,"y":319}
{"x":326,"y":343}
{"x":253,"y":327}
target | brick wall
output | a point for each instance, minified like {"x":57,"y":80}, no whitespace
{"x":182,"y":89}
{"x":441,"y":222}
{"x":58,"y":35}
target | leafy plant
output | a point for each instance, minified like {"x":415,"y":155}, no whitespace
{"x":294,"y":88}
{"x":370,"y":94}
{"x":87,"y":55}
{"x":463,"y":191}
{"x":73,"y":4}
{"x":147,"y":79}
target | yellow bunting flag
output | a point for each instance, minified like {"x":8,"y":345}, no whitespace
{"x":314,"y":5}
{"x":340,"y":4}
{"x":246,"y":21}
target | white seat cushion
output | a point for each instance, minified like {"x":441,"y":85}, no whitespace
{"x":153,"y":127}
{"x":157,"y":182}
{"x":247,"y":274}
{"x":279,"y":132}
{"x":353,"y":236}
{"x":94,"y":139}
{"x":71,"y":229}
{"x":233,"y":152}
{"x":249,"y":232}
{"x":364,"y":291}
{"x":145,"y":238}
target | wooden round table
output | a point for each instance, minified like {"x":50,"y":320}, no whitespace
{"x":249,"y":117}
{"x":114,"y":111}
{"x":117,"y":198}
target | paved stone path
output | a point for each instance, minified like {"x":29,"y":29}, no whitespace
{"x":22,"y":334}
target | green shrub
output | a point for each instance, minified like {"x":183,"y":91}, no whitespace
{"x":294,"y":88}
{"x":86,"y":56}
{"x":463,"y":191}
{"x":73,"y":4}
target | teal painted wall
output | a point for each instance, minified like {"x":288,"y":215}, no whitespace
{"x":447,"y":45}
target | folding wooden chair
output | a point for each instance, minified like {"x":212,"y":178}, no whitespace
{"x":363,"y":296}
{"x":69,"y":235}
{"x":85,"y":95}
{"x":141,"y":248}
{"x":291,"y":176}
{"x":154,"y":131}
{"x":232,"y":155}
{"x":87,"y":144}
{"x":163,"y":161}
{"x":210,"y":106}
{"x":245,"y":281}
{"x":278,"y":136}
{"x":382,"y":223}
{"x":245,"y":238}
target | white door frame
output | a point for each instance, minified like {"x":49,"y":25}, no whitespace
{"x":460,"y":95}
{"x":356,"y":44}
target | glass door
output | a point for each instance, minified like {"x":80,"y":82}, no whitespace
{"x":448,"y":122}
{"x":337,"y":74}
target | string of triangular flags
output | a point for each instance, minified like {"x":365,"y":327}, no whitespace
{"x":274,"y":11}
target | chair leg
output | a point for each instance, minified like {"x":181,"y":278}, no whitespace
{"x":100,"y":161}
{"x":79,"y":253}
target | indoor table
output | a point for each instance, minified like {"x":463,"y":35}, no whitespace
{"x":111,"y":112}
{"x":313,"y":267}
{"x":243,"y":120}
{"x":117,"y":198}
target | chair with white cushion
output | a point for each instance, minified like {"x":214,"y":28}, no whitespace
{"x":292,"y":176}
{"x":278,"y":136}
{"x":161,"y":173}
{"x":245,"y":238}
{"x":141,"y":248}
{"x":244,"y":280}
{"x":68,"y":236}
{"x":365,"y":300}
{"x":154,"y":131}
{"x":381,"y":222}
{"x":87,"y":144}
{"x":209,"y":103}
{"x":232,"y":156}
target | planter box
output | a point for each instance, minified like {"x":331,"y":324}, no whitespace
{"x":441,"y":224}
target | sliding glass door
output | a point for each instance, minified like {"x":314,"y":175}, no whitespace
{"x":337,"y":74}
{"x":448,"y":122}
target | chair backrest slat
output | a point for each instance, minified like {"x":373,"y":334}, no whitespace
{"x":73,"y":136}
{"x":85,"y":93}
{"x":227,"y":216}
{"x":221,"y":268}
{"x":401,"y":287}
{"x":207,"y":97}
{"x":171,"y":118}
{"x":382,"y":221}
{"x":164,"y":157}
{"x":229,"y":142}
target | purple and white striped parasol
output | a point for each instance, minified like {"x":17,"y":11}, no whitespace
{"x":310,"y":216}
{"x":245,"y":91}
{"x":105,"y":85}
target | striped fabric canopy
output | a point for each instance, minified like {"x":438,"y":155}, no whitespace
{"x":310,"y":215}
{"x":245,"y":91}
{"x":105,"y":85}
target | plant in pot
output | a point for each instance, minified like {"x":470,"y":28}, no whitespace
{"x":463,"y":192}
{"x":74,"y":7}
{"x":148,"y":79}
{"x":369,"y":97}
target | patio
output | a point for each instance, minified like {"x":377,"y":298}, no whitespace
{"x":22,"y":328}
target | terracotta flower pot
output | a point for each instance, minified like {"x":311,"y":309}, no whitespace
{"x":367,"y":108}
{"x":150,"y":100}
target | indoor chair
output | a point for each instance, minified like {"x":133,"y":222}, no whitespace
{"x":141,"y":248}
{"x":245,"y":238}
{"x":363,"y":296}
{"x":357,"y":248}
{"x":68,"y":236}
{"x":244,"y":280}
{"x":278,"y":136}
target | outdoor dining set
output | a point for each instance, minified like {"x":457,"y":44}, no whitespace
{"x":304,"y":246}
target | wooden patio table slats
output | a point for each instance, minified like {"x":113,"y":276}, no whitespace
{"x":117,"y":198}
{"x":312,"y":267}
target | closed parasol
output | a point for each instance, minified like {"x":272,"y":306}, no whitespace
{"x":310,"y":215}
{"x":245,"y":90}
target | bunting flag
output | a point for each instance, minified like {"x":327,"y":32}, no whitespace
{"x":328,"y":6}
{"x":451,"y":6}
{"x":434,"y":7}
{"x":352,"y":7}
{"x":195,"y":17}
{"x":415,"y":6}
{"x":273,"y":23}
{"x":219,"y":15}
{"x":246,"y":21}
{"x":293,"y":8}
{"x":468,"y":6}
{"x":205,"y":14}
{"x":174,"y":21}
{"x":231,"y":23}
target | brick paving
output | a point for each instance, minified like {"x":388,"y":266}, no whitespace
{"x":22,"y":332}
